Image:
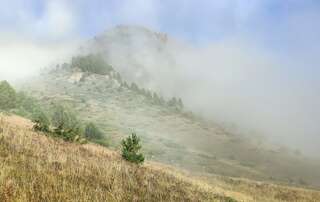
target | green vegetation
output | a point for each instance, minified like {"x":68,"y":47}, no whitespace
{"x":130,"y":148}
{"x":66,"y":124}
{"x":125,"y":84}
{"x":17,"y":102}
{"x":92,"y":132}
{"x":134,"y":87}
{"x":42,"y":122}
{"x":92,"y":64}
{"x":62,"y":117}
{"x":7,"y":96}
{"x":229,"y":199}
{"x":173,"y":102}
{"x":26,"y":105}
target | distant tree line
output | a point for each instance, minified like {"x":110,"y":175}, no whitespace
{"x":175,"y":103}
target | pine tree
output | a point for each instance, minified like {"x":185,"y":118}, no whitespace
{"x":172,"y":102}
{"x":130,"y":148}
{"x":180,"y":103}
{"x":118,"y":77}
{"x":156,"y":98}
{"x":134,"y":87}
{"x":125,"y":84}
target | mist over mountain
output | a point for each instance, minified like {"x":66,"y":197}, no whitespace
{"x":222,"y":81}
{"x":232,"y":82}
{"x":253,"y":58}
{"x":139,"y":100}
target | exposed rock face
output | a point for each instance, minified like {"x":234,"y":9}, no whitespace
{"x":75,"y":77}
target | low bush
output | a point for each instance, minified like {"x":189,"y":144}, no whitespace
{"x":41,"y":122}
{"x":91,"y":132}
{"x":65,"y":123}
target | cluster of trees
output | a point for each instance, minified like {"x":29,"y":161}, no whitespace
{"x":16,"y":102}
{"x":91,"y":63}
{"x":177,"y":103}
{"x":64,"y":124}
{"x":174,"y":102}
{"x":61,"y":122}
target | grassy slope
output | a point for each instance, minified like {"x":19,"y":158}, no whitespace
{"x":39,"y":168}
{"x":170,"y":137}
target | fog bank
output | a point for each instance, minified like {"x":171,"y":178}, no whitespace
{"x":24,"y":57}
{"x":233,"y":82}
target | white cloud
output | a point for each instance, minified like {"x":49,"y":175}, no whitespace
{"x":21,"y":57}
{"x":31,"y":39}
{"x":58,"y":20}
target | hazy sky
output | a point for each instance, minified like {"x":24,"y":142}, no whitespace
{"x":270,"y":20}
{"x":35,"y":33}
{"x":290,"y":28}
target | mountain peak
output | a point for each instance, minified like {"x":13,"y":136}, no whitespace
{"x":130,"y":31}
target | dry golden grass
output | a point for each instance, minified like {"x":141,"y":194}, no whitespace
{"x":38,"y":168}
{"x":263,"y":191}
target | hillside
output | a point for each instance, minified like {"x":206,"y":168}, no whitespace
{"x":35,"y":167}
{"x":169,"y":135}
